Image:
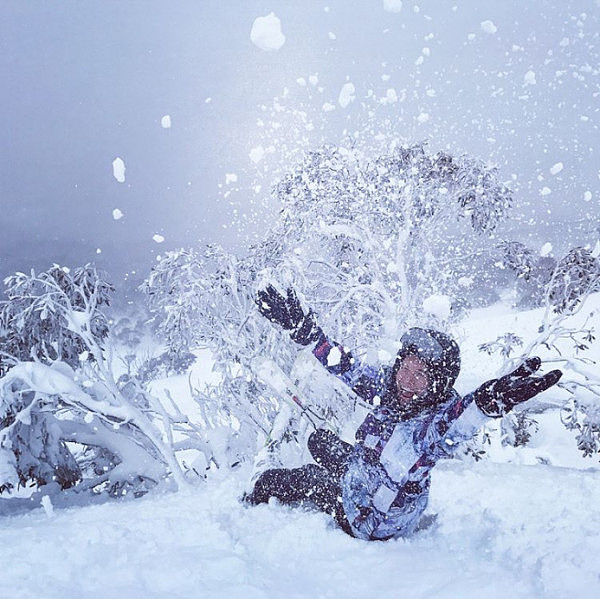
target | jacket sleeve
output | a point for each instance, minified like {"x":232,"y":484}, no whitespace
{"x":364,"y":380}
{"x":458,"y":422}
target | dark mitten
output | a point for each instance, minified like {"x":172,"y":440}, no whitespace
{"x":498,"y":396}
{"x":288,"y":313}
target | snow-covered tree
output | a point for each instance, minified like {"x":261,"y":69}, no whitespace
{"x":369,"y":240}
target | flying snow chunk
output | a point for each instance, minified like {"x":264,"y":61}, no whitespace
{"x":545,"y":191}
{"x":230,"y":178}
{"x":257,"y":154}
{"x":587,"y":196}
{"x":266,"y":33}
{"x":119,"y":170}
{"x":557,"y":168}
{"x":165,"y":122}
{"x":392,"y":5}
{"x":346,"y":94}
{"x":328,"y":107}
{"x":158,"y":238}
{"x":332,"y":35}
{"x":391,"y":97}
{"x":488,"y":27}
{"x":117,"y":214}
{"x":423,"y":117}
{"x":438,"y":306}
{"x":546,"y":249}
{"x":529,"y":78}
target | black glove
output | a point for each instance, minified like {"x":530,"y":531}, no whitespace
{"x":499,"y":396}
{"x":287,"y":312}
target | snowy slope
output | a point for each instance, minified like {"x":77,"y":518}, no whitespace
{"x":506,"y":527}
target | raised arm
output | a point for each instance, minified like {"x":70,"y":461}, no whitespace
{"x":463,"y":417}
{"x":287,"y":312}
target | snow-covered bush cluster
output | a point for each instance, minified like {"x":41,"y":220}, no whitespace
{"x":64,"y":419}
{"x":366,"y":243}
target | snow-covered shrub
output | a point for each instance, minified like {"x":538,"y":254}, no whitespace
{"x":532,"y":273}
{"x":43,"y":313}
{"x":75,"y":433}
{"x":63,"y":417}
{"x":576,"y":275}
{"x":172,"y":289}
{"x":217,"y":311}
{"x":573,"y":279}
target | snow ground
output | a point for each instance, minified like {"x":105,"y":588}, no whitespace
{"x":502,"y":531}
{"x":506,"y":527}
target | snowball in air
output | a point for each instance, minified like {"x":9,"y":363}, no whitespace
{"x":587,"y":196}
{"x":118,"y":170}
{"x":165,"y":122}
{"x":257,"y":154}
{"x":437,"y":305}
{"x":266,"y":33}
{"x":423,"y":117}
{"x":230,"y":178}
{"x":488,"y":27}
{"x":346,"y":95}
{"x":158,"y":238}
{"x":556,"y":168}
{"x":117,"y":214}
{"x":529,"y":78}
{"x":392,"y":5}
{"x":391,"y":96}
{"x":546,"y":249}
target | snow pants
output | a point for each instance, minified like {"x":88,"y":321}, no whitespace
{"x":313,"y":485}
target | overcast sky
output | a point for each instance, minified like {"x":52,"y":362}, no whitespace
{"x":84,"y":82}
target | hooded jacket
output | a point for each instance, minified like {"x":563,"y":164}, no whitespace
{"x":385,"y":488}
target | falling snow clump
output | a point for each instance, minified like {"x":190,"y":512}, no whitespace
{"x":266,"y":33}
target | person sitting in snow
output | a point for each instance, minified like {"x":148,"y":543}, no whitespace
{"x":378,"y":488}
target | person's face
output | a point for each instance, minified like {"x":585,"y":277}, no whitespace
{"x":411,"y":379}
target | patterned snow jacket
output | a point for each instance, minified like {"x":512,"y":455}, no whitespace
{"x":385,"y":488}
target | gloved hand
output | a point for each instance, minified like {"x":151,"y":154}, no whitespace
{"x":288,"y":313}
{"x":498,"y":396}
